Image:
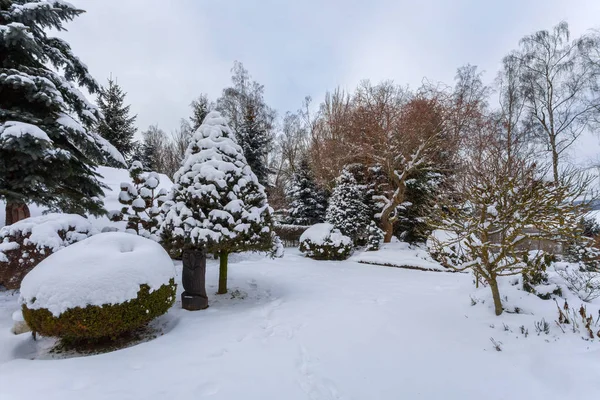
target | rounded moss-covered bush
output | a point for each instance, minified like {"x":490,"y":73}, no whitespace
{"x":98,"y":289}
{"x":109,"y":321}
{"x":324,"y":242}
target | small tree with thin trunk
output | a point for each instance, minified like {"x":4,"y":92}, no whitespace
{"x":504,"y":208}
{"x":218,"y":203}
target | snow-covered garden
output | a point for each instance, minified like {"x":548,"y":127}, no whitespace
{"x":300,"y":328}
{"x":392,"y":243}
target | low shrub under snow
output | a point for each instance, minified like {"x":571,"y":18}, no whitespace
{"x":324,"y":242}
{"x":100,"y":288}
{"x":585,"y":284}
{"x":24,"y":244}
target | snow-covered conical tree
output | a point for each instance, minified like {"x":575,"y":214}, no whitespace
{"x":117,"y":126}
{"x":217,"y":202}
{"x":346,"y":210}
{"x":47,"y":154}
{"x":309,"y":203}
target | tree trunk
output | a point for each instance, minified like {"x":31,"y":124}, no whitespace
{"x":193,"y":279}
{"x":554,"y":150}
{"x":388,"y":228}
{"x":555,"y":165}
{"x":496,"y":295}
{"x":16,"y":212}
{"x":223,"y":272}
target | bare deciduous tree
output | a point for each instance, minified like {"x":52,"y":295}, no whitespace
{"x":505,"y":205}
{"x":558,"y":86}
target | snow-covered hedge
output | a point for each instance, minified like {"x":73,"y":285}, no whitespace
{"x":100,"y":288}
{"x":24,"y":244}
{"x":324,"y":242}
{"x":289,"y":234}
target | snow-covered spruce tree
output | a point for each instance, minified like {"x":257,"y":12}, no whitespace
{"x":346,"y":210}
{"x":309,"y":202}
{"x":218,"y":203}
{"x":255,"y":141}
{"x":375,"y":237}
{"x":47,"y":153}
{"x":117,"y":126}
{"x":141,"y":202}
{"x":421,"y":189}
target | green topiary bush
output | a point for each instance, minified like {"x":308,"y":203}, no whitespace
{"x":107,"y":322}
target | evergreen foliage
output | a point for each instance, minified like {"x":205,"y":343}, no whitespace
{"x":375,"y":237}
{"x":309,"y":202}
{"x":255,"y":141}
{"x":421,"y":189}
{"x":117,"y":126}
{"x":141,"y":202}
{"x":106,"y":322}
{"x":346,"y":210}
{"x":217,"y":201}
{"x":47,"y":153}
{"x":200,"y":109}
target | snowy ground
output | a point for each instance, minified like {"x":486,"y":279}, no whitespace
{"x":400,"y":255}
{"x":321,"y":330}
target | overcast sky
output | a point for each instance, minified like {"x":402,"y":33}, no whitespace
{"x":165,"y":53}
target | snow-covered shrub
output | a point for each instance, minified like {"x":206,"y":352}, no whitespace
{"x":141,"y":202}
{"x":445,"y":249}
{"x":585,"y":284}
{"x":277,"y":248}
{"x":24,"y":244}
{"x":375,"y":237}
{"x":535,"y":277}
{"x":346,"y":210}
{"x":325,"y":242}
{"x":100,"y":288}
{"x":584,"y":252}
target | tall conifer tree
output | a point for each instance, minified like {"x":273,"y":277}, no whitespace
{"x":117,"y":126}
{"x":47,"y":153}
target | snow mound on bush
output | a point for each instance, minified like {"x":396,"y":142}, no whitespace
{"x":325,"y":232}
{"x":107,"y":268}
{"x":45,"y":230}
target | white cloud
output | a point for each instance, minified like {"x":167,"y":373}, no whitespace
{"x":166,"y":53}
